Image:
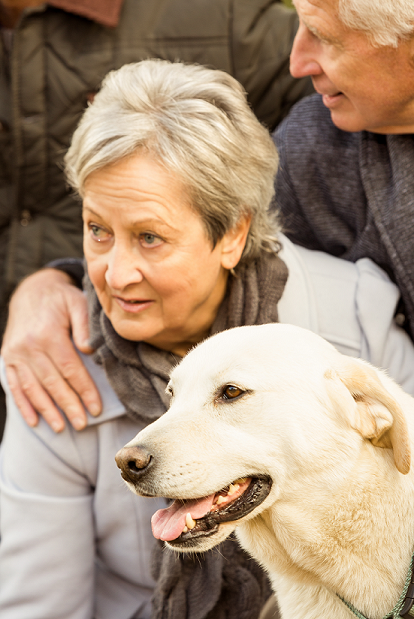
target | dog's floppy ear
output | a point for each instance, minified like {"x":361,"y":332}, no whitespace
{"x":376,"y":414}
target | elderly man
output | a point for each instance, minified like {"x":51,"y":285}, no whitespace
{"x":345,"y":183}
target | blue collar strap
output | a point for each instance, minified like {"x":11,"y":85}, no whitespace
{"x":404,"y":608}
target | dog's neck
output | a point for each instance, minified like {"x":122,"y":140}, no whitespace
{"x":356,"y":542}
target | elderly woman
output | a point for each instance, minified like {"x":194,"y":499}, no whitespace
{"x":176,"y":176}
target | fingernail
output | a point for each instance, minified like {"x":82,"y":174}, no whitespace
{"x":57,"y":426}
{"x":78,"y":423}
{"x":94,"y":409}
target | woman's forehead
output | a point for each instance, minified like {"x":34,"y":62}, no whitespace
{"x":138,"y":178}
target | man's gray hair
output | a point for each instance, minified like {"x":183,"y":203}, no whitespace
{"x":197,"y":124}
{"x":386,"y":22}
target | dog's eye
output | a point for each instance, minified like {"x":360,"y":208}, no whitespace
{"x":230,"y":392}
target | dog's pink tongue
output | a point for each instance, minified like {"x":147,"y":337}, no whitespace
{"x":168,"y":524}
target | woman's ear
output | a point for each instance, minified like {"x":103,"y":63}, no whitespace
{"x":233,"y":242}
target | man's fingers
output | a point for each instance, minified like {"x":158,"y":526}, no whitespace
{"x":72,"y":368}
{"x":54,"y":379}
{"x":46,"y":312}
{"x":31,"y":397}
{"x":67,"y":364}
{"x":78,"y":310}
{"x":27,"y":410}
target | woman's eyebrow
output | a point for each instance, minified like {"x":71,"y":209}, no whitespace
{"x":90,"y":210}
{"x":148,"y":221}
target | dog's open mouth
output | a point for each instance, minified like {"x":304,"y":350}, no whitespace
{"x":183,"y":521}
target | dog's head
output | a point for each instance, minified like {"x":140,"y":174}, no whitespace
{"x":259,"y":414}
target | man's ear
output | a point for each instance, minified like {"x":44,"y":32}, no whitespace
{"x":376,"y":415}
{"x":233,"y":242}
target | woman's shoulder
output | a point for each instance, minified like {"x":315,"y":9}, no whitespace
{"x":334,"y":297}
{"x":352,"y":305}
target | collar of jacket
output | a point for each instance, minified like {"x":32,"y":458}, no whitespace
{"x":105,"y":12}
{"x":404,"y":608}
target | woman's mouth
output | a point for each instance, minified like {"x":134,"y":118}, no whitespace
{"x":133,"y":306}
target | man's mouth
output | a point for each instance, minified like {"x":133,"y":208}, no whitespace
{"x":185,"y":520}
{"x":329,"y":100}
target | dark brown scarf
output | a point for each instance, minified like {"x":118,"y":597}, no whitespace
{"x":223,"y":583}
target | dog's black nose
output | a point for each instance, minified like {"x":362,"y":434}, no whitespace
{"x":133,"y":462}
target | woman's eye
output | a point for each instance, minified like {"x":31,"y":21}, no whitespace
{"x":98,"y":233}
{"x":150,"y":240}
{"x":230,"y":392}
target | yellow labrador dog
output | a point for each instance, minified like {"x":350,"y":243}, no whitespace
{"x":305,"y":451}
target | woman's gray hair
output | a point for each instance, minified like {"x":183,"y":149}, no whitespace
{"x":386,"y":22}
{"x":197,"y":124}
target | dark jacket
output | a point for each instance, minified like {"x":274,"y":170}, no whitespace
{"x":349,"y":194}
{"x":56,"y":64}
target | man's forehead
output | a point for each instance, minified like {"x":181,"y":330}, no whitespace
{"x":328,"y":5}
{"x":321,"y":18}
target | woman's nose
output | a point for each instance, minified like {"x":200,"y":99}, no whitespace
{"x":304,"y":54}
{"x":123,"y":268}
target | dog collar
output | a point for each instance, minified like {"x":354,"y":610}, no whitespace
{"x":404,"y":608}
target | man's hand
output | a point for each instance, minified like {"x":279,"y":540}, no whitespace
{"x":42,"y":366}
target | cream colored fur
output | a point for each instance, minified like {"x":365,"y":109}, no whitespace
{"x":332,"y":432}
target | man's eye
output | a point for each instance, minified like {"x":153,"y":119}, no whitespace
{"x":230,"y":392}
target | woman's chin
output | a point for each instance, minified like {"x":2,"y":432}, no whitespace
{"x":134,"y":328}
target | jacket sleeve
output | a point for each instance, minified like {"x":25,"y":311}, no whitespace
{"x":384,"y":343}
{"x":47,"y":532}
{"x":74,"y":267}
{"x":262,"y":38}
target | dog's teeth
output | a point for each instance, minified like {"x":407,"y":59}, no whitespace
{"x":189,"y":521}
{"x":240,"y":481}
{"x":220,"y":499}
{"x":185,"y":529}
{"x":233,"y":488}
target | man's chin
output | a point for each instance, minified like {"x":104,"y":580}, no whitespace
{"x":348,"y":121}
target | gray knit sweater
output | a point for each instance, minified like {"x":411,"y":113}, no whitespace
{"x":349,"y":194}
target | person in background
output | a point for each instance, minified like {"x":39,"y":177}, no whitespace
{"x":345,"y":183}
{"x":53,"y":57}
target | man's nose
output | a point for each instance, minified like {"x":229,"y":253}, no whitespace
{"x":304,"y":54}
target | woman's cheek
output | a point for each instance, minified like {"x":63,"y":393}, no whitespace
{"x":96,"y":271}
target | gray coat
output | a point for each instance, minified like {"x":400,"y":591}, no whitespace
{"x":349,"y":194}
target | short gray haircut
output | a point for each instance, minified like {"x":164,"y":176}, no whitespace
{"x":197,"y":124}
{"x":386,"y":22}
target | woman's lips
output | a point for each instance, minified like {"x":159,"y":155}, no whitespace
{"x":133,"y":306}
